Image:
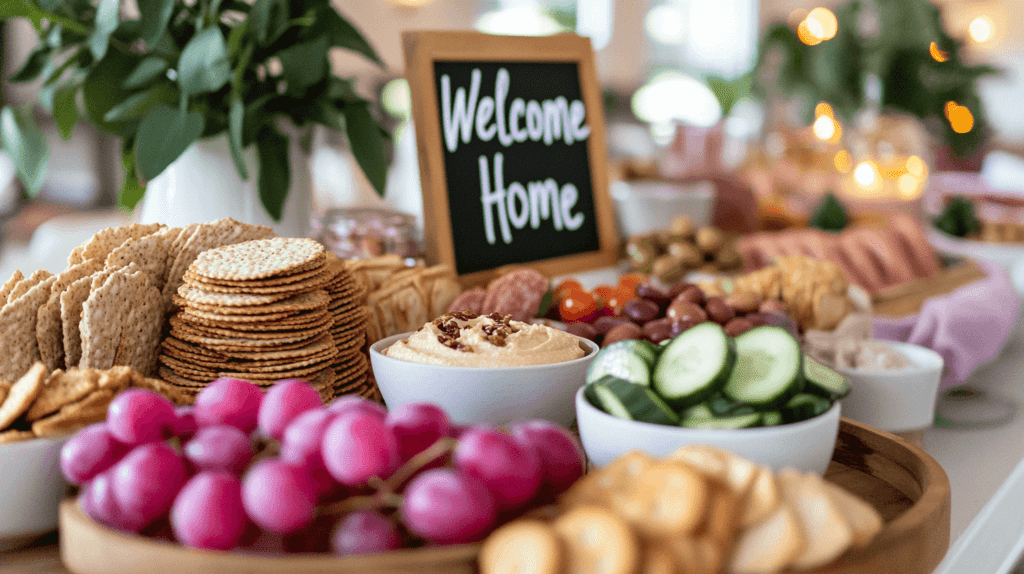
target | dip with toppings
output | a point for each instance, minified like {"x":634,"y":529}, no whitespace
{"x":470,"y":340}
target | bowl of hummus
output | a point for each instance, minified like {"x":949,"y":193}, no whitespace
{"x":484,"y":368}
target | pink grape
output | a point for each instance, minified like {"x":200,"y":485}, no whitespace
{"x":138,"y":416}
{"x":365,"y":532}
{"x":455,"y":431}
{"x":220,"y":447}
{"x":511,"y":472}
{"x":417,"y":426}
{"x":346,"y":403}
{"x":97,"y":499}
{"x":301,"y":446}
{"x":358,"y":445}
{"x":90,"y":452}
{"x":561,"y":458}
{"x":184,"y":425}
{"x":448,"y":507}
{"x":146,"y":481}
{"x":208,"y":512}
{"x":284,"y":401}
{"x":278,"y":496}
{"x":231,"y":402}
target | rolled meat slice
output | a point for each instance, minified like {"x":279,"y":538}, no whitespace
{"x":922,"y":257}
{"x":886,"y":253}
{"x":813,"y":242}
{"x":857,"y":255}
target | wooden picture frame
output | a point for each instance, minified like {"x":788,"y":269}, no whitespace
{"x":423,"y":49}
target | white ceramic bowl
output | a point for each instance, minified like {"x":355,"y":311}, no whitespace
{"x":896,"y":401}
{"x":806,"y":446}
{"x":483,"y":395}
{"x":31,"y":488}
{"x":647,"y":206}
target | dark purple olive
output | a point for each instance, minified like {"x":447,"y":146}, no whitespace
{"x":738,"y":326}
{"x":582,"y":329}
{"x":773,"y":306}
{"x":718,"y":311}
{"x":658,"y":330}
{"x":692,"y":294}
{"x":621,"y":333}
{"x":607,"y":323}
{"x":653,"y":293}
{"x":677,"y":289}
{"x":777,"y":319}
{"x":680,"y":309}
{"x":680,"y":325}
{"x":640,"y":310}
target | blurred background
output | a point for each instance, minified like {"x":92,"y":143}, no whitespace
{"x":781,"y":99}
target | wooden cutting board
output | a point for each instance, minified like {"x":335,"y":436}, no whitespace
{"x":908,"y":298}
{"x":904,"y":483}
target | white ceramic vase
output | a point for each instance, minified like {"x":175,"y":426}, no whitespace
{"x":203,"y":185}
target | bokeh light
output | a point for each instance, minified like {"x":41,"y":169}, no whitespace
{"x":807,"y":36}
{"x":823,"y":109}
{"x":867,"y":177}
{"x":843,"y":161}
{"x":666,"y":23}
{"x":825,"y":20}
{"x":937,"y":54}
{"x":396,"y":98}
{"x":907,"y":185}
{"x":960,"y":118}
{"x":673,"y":96}
{"x":526,"y":19}
{"x":916,"y":167}
{"x":981,"y":29}
{"x":824,"y":128}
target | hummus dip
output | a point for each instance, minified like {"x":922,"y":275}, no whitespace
{"x":470,"y":340}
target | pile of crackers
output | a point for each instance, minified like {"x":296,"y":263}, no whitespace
{"x":401,"y":298}
{"x":263,"y":311}
{"x":44,"y":403}
{"x":108,"y":306}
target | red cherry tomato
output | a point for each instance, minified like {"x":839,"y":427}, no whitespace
{"x":578,"y":306}
{"x":630,"y":282}
{"x":567,"y":287}
{"x":612,"y":297}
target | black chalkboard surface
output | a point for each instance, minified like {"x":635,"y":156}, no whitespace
{"x":510,"y":134}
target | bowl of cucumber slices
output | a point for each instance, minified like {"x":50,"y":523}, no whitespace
{"x":756,"y":394}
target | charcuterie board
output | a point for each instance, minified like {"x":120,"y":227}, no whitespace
{"x":904,"y":483}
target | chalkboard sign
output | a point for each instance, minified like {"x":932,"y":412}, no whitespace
{"x":510,"y":132}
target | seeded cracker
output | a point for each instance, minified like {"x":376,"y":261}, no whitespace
{"x":5,"y":291}
{"x":103,"y":318}
{"x":61,"y":389}
{"x":106,"y":240}
{"x":18,"y":331}
{"x":24,"y":391}
{"x":71,"y":301}
{"x":262,"y":302}
{"x":258,"y":259}
{"x":149,"y":253}
{"x":25,"y":284}
{"x":49,"y":331}
{"x":140,"y":336}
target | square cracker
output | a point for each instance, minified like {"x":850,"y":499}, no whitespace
{"x":103,"y":317}
{"x":140,"y":335}
{"x":22,"y":394}
{"x":71,"y":301}
{"x":62,"y":389}
{"x":18,"y":331}
{"x":63,"y":422}
{"x":149,"y":253}
{"x":109,"y":239}
{"x":208,"y":236}
{"x":24,"y":285}
{"x":49,"y":331}
{"x":15,"y":435}
{"x":5,"y":291}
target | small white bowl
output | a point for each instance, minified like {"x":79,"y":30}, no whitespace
{"x":806,"y":446}
{"x":31,"y":488}
{"x":483,"y":395}
{"x":896,"y":401}
{"x":647,"y":206}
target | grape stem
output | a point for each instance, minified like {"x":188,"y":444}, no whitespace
{"x":441,"y":447}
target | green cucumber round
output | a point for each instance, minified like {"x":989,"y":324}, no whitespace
{"x":768,"y":368}
{"x":694,"y":365}
{"x":626,"y":400}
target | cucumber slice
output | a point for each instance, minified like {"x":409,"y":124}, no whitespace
{"x":694,"y":365}
{"x":723,"y":406}
{"x":772,"y":419}
{"x":626,"y":400}
{"x":804,"y":406}
{"x":733,"y":422}
{"x":768,"y":367}
{"x":622,"y":362}
{"x":700,"y":412}
{"x":824,"y":381}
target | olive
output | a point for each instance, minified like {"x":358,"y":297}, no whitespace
{"x":606,"y":323}
{"x":582,"y":329}
{"x":658,"y":330}
{"x":622,"y":333}
{"x":718,"y":311}
{"x":640,"y":310}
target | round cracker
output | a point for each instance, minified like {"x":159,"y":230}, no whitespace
{"x":299,"y":275}
{"x":230,"y":304}
{"x":258,"y":259}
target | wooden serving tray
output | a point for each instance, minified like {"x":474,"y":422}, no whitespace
{"x":903,"y":482}
{"x":908,"y":298}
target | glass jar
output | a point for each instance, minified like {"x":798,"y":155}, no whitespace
{"x":367,"y":232}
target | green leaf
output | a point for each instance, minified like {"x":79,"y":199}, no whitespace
{"x":138,"y":105}
{"x":236,"y":37}
{"x":102,"y":90}
{"x":154,"y":14}
{"x":163,"y":136}
{"x":204,"y":66}
{"x":275,"y":174}
{"x":26,"y":145}
{"x":33,"y":66}
{"x":343,"y":34}
{"x":54,"y":36}
{"x":65,"y":110}
{"x":235,"y":120}
{"x":107,"y":19}
{"x":368,"y":144}
{"x":269,"y":18}
{"x":148,"y":70}
{"x":304,"y":65}
{"x":54,"y":74}
{"x":26,"y":9}
{"x":132,"y":190}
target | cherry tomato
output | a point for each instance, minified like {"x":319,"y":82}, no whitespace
{"x":567,"y":287}
{"x":612,"y":297}
{"x":630,"y":282}
{"x":578,"y":306}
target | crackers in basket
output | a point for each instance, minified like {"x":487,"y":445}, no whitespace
{"x":262,"y":311}
{"x":108,"y":306}
{"x":45,"y":403}
{"x":701,"y":509}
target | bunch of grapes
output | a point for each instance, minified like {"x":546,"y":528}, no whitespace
{"x":279,"y":472}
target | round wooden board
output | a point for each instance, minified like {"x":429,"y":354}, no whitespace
{"x":905,"y":484}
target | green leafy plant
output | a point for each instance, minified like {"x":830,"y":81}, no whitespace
{"x":185,"y":70}
{"x":890,"y":39}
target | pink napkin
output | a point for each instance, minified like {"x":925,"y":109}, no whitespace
{"x":968,"y":327}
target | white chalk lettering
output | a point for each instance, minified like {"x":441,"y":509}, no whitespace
{"x":569,"y":197}
{"x":518,"y":204}
{"x":534,"y":120}
{"x":502,"y":83}
{"x":495,"y":198}
{"x":460,"y":120}
{"x":520,"y":216}
{"x":544,"y":203}
{"x":483,"y":115}
{"x":517,"y":111}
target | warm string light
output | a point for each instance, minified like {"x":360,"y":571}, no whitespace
{"x":937,"y":54}
{"x":819,"y":25}
{"x":960,"y":118}
{"x":825,"y":127}
{"x":981,"y":29}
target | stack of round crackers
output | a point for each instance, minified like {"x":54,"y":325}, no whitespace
{"x":351,"y":366}
{"x":259,"y":311}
